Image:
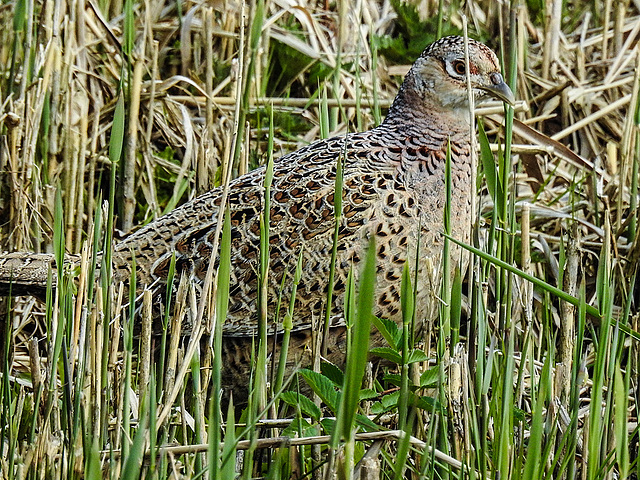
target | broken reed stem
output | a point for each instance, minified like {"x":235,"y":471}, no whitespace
{"x":175,"y":331}
{"x":566,"y":344}
{"x":153,"y":196}
{"x":144,"y":357}
{"x":131,"y":149}
{"x":207,"y":172}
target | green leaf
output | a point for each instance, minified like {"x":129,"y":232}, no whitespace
{"x":488,"y":165}
{"x":368,"y":394}
{"x":19,"y":15}
{"x":365,"y":422}
{"x":133,"y":462}
{"x":228,"y":463}
{"x":429,"y":404}
{"x":92,"y":461}
{"x":393,"y":379}
{"x":388,"y":354}
{"x":300,"y":425}
{"x":333,"y":373}
{"x":386,"y":403}
{"x":390,"y":400}
{"x":389,"y":330}
{"x":429,"y":378}
{"x":406,"y":295}
{"x":358,"y":346}
{"x":456,"y":306}
{"x":129,"y":28}
{"x":329,"y":425}
{"x":321,"y":386}
{"x":117,"y":131}
{"x":58,"y":233}
{"x":417,"y":355}
{"x":307,"y":407}
{"x":621,"y":422}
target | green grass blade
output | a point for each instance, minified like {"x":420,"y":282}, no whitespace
{"x":133,"y":461}
{"x":222,"y":304}
{"x":116,"y":140}
{"x":228,"y":469}
{"x":356,"y":356}
{"x":489,"y":167}
{"x":536,"y":281}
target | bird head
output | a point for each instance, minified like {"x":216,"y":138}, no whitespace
{"x":438,"y":78}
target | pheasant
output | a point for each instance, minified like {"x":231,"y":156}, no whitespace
{"x":394,"y":189}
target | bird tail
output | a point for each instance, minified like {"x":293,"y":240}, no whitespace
{"x":26,"y":273}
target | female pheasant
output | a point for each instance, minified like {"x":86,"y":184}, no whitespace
{"x":394,"y":189}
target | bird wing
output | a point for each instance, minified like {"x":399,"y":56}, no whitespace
{"x":301,"y":217}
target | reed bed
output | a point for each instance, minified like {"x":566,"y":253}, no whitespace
{"x":114,"y":112}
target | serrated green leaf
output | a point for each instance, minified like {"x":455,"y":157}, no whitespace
{"x":377,"y":409}
{"x":329,"y":425}
{"x":429,"y":403}
{"x":389,"y":330}
{"x":367,"y":423}
{"x":298,"y":425}
{"x":393,"y":379}
{"x":368,"y":394}
{"x":307,"y":407}
{"x":332,"y":372}
{"x":390,"y":400}
{"x":321,"y":386}
{"x":519,"y":414}
{"x":388,"y":354}
{"x":429,"y":377}
{"x":386,"y":403}
{"x":417,"y":355}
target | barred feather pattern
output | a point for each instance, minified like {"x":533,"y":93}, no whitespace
{"x":394,"y":190}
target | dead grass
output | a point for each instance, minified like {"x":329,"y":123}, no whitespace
{"x":575,"y":164}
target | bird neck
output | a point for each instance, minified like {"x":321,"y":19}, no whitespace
{"x":416,"y":111}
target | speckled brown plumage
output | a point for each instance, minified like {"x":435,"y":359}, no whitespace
{"x":393,"y":189}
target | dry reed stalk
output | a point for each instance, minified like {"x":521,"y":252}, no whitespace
{"x":77,"y":63}
{"x":97,"y":402}
{"x":526,"y":264}
{"x":152,"y":195}
{"x":566,"y":345}
{"x":115,"y":329}
{"x":144,"y":357}
{"x":131,"y":149}
{"x":116,"y":377}
{"x":606,"y":18}
{"x":455,"y":391}
{"x":207,"y":165}
{"x":175,"y":330}
{"x":80,"y":310}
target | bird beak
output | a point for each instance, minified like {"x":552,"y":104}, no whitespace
{"x":501,"y":91}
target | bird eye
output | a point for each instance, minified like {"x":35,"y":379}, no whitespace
{"x":459,"y":68}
